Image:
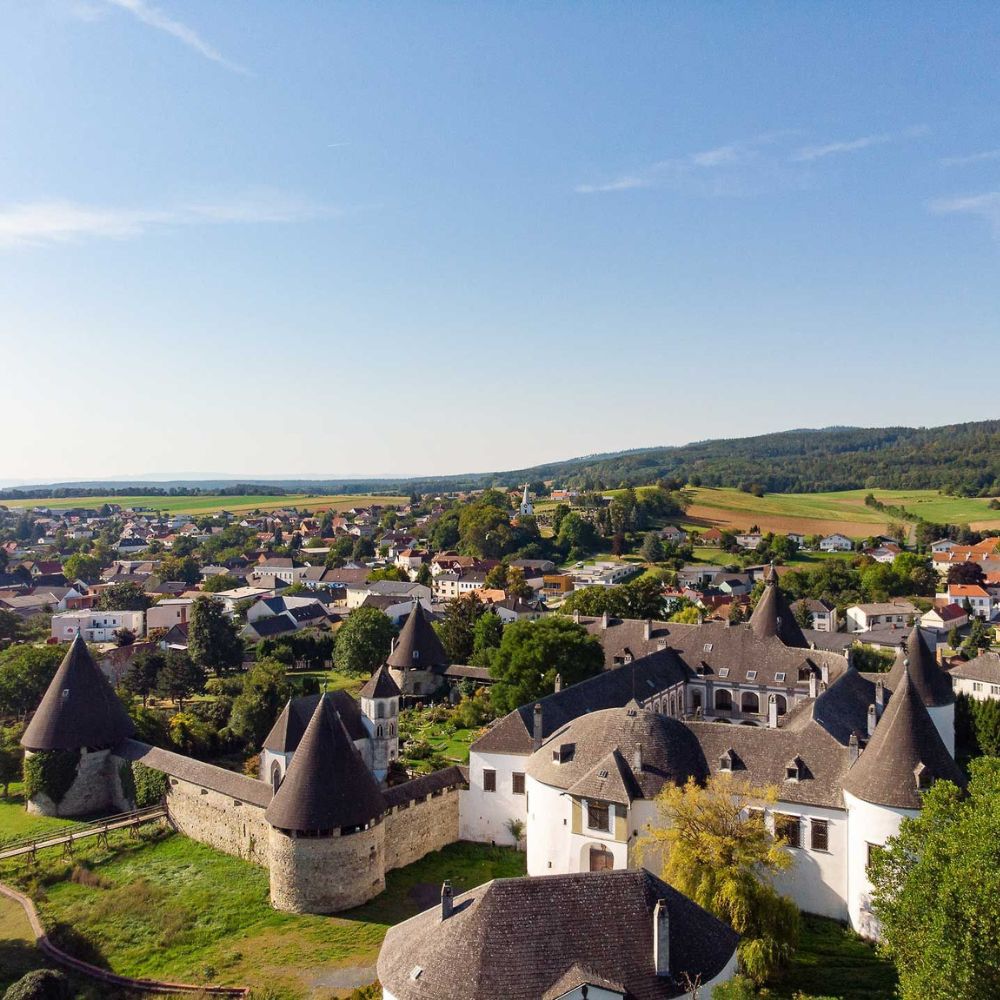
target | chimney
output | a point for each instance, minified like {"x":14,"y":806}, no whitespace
{"x":647,"y":632}
{"x":661,"y":938}
{"x":872,"y":719}
{"x":604,"y":620}
{"x":637,"y":759}
{"x":558,"y":684}
{"x":392,"y":645}
{"x":536,"y":737}
{"x":447,"y":900}
{"x":772,"y":712}
{"x":813,"y":685}
{"x":879,"y":698}
{"x":852,"y":747}
{"x":824,"y":673}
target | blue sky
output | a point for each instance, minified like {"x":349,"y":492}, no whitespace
{"x":262,"y":238}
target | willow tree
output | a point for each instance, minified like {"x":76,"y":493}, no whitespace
{"x":716,"y":848}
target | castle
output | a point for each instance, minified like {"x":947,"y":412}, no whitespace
{"x":322,"y":822}
{"x":850,"y":754}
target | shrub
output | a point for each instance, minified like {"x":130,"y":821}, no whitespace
{"x":150,"y":785}
{"x":128,"y":781}
{"x":51,"y":773}
{"x":82,"y":875}
{"x":42,"y":984}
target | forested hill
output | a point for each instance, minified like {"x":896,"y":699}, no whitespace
{"x":960,"y":458}
{"x":963,"y":458}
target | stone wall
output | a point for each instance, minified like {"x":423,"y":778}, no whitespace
{"x":326,"y":874}
{"x":422,"y":826}
{"x":210,"y":817}
{"x":92,"y":791}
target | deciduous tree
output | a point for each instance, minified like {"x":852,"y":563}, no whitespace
{"x":363,"y":640}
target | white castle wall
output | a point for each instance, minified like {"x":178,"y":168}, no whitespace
{"x":484,"y":815}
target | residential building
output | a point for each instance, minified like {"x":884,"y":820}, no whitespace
{"x":169,"y":612}
{"x":944,"y":618}
{"x":836,"y":543}
{"x":865,"y":617}
{"x":822,"y":615}
{"x":978,"y":678}
{"x":96,"y":626}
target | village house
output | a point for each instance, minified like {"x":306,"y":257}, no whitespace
{"x":835,"y":543}
{"x":822,"y":615}
{"x":96,"y":626}
{"x":942,"y":619}
{"x":978,"y":678}
{"x":866,"y":617}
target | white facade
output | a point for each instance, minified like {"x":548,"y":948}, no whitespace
{"x":483,"y":814}
{"x":869,"y":826}
{"x":96,"y":626}
{"x":836,"y":543}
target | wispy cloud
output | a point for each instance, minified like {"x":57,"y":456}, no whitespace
{"x":161,"y":21}
{"x":712,"y":171}
{"x":48,"y":222}
{"x":962,"y":161}
{"x":808,"y":153}
{"x":985,"y":206}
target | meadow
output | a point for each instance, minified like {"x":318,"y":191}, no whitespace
{"x":212,"y":504}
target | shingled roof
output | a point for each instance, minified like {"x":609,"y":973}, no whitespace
{"x":328,"y":784}
{"x":668,"y":750}
{"x":906,"y":744}
{"x":380,"y":685}
{"x":418,"y":636}
{"x":79,"y":709}
{"x":519,"y":938}
{"x":287,"y":731}
{"x":773,"y":615}
{"x":931,"y":682}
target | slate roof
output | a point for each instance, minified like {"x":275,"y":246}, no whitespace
{"x":197,"y":772}
{"x":613,"y":688}
{"x":905,"y":739}
{"x":424,"y":785}
{"x":380,"y":685}
{"x":773,"y":616}
{"x":985,"y":667}
{"x":931,"y":682}
{"x":327,"y":785}
{"x":418,"y":636}
{"x":669,"y":754}
{"x":287,"y":731}
{"x":520,"y":938}
{"x":79,"y":708}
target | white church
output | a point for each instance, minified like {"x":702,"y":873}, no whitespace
{"x":850,"y":753}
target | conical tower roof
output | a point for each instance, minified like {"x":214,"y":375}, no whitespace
{"x":932,"y":683}
{"x":380,"y":685}
{"x":79,"y":709}
{"x":327,"y":784}
{"x":418,"y":636}
{"x":905,"y":754}
{"x":773,"y":617}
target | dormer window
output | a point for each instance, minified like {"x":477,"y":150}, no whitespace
{"x":805,"y":673}
{"x":707,"y":648}
{"x":724,"y":671}
{"x":779,"y":678}
{"x":923,"y":776}
{"x":793,"y":769}
{"x":562,"y":753}
{"x":726,"y":761}
{"x":751,"y":675}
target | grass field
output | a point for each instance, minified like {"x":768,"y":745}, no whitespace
{"x":832,"y":961}
{"x":212,"y":504}
{"x":167,"y":907}
{"x":16,"y":824}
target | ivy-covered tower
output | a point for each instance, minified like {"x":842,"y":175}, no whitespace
{"x":69,"y":767}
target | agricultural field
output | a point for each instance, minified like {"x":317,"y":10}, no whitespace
{"x":164,"y":906}
{"x":824,"y":513}
{"x":213,"y":504}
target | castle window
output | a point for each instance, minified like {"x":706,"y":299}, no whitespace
{"x":380,"y":711}
{"x":787,"y":828}
{"x":819,"y":830}
{"x":378,"y":732}
{"x":598,"y":816}
{"x":517,"y":783}
{"x":489,"y":780}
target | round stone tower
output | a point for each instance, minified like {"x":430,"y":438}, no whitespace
{"x":80,"y":720}
{"x":326,"y":836}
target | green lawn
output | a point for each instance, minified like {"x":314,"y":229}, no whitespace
{"x":445,"y":740}
{"x":167,"y":907}
{"x":212,"y":504}
{"x":335,"y":679}
{"x":17,"y":824}
{"x":833,"y":961}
